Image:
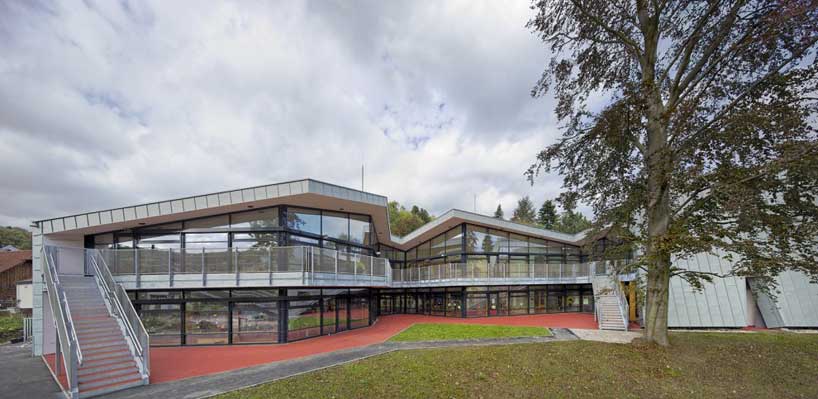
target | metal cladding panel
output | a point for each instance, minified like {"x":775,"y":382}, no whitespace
{"x":721,"y":303}
{"x":797,"y":300}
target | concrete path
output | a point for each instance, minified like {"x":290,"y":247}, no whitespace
{"x":616,"y":337}
{"x":210,"y":385}
{"x":25,"y":376}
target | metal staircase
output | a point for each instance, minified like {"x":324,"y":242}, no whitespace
{"x":102,"y":346}
{"x":611,"y":307}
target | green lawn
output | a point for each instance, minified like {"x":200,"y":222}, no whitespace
{"x":445,"y":332}
{"x":760,"y":365}
{"x":11,"y":326}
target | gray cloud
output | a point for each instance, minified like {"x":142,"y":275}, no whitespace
{"x":112,"y":103}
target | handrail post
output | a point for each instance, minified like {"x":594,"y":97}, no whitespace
{"x":336,"y":264}
{"x":170,"y":267}
{"x":136,"y":267}
{"x":204,"y":273}
{"x":235,"y":263}
{"x":270,"y":264}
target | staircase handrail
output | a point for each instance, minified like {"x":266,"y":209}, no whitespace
{"x":69,"y":348}
{"x":119,"y":300}
{"x":624,"y":310}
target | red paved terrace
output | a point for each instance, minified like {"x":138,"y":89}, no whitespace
{"x":175,"y":363}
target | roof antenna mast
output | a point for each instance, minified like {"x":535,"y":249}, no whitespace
{"x":362,"y":177}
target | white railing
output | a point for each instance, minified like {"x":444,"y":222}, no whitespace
{"x":122,"y":308}
{"x":27,"y":329}
{"x":67,"y":355}
{"x":297,"y":265}
{"x":448,"y":272}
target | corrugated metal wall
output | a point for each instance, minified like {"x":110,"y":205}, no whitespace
{"x":795,"y":303}
{"x":722,"y":303}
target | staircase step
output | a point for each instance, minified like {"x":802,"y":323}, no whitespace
{"x":108,"y":375}
{"x":103,"y":389}
{"x":106,"y":361}
{"x":117,"y":380}
{"x":98,"y":332}
{"x":112,"y":353}
{"x":105,"y":367}
{"x":89,"y":342}
{"x":102,"y":344}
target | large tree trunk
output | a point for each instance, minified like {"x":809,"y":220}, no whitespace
{"x":656,"y":309}
{"x":659,"y":162}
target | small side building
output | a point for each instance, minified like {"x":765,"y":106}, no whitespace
{"x":14,"y":266}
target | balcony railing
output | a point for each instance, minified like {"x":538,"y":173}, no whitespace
{"x":267,"y":266}
{"x":499,"y":272}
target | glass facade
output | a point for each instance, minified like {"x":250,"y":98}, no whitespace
{"x":250,"y":316}
{"x":238,"y":242}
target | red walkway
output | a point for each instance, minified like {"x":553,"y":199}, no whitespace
{"x":168,"y":364}
{"x":174,"y":363}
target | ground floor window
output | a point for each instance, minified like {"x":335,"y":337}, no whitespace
{"x":487,"y":301}
{"x":250,"y":316}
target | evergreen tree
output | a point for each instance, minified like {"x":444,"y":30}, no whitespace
{"x":572,"y":222}
{"x":499,"y":212}
{"x":524,"y":213}
{"x":547,"y":216}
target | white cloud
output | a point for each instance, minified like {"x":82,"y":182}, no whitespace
{"x":113,"y":103}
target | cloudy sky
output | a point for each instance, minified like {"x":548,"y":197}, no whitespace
{"x":106,"y":103}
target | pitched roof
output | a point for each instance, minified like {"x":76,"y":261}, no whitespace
{"x":13,"y":258}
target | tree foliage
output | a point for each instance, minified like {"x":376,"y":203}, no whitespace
{"x":403,"y":221}
{"x":524,"y":213}
{"x":20,"y":238}
{"x":498,"y":213}
{"x":572,"y":222}
{"x":547,"y":215}
{"x":706,"y":141}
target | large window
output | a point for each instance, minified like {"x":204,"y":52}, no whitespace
{"x":335,"y":225}
{"x":438,"y":247}
{"x":255,"y":322}
{"x":306,"y":220}
{"x":163,"y":322}
{"x":359,"y":312}
{"x":206,"y":323}
{"x":360,"y":230}
{"x":454,"y":241}
{"x":262,"y":219}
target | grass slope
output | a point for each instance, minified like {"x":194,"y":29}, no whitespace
{"x":757,"y":365}
{"x":444,"y":332}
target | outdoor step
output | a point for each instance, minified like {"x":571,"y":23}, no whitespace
{"x":118,"y":386}
{"x":117,"y":380}
{"x":102,"y":323}
{"x":107,"y":367}
{"x":108,"y":375}
{"x":106,"y":361}
{"x":111,"y":353}
{"x":97,"y":332}
{"x":105,"y":344}
{"x":84,"y":323}
{"x":87,"y":342}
